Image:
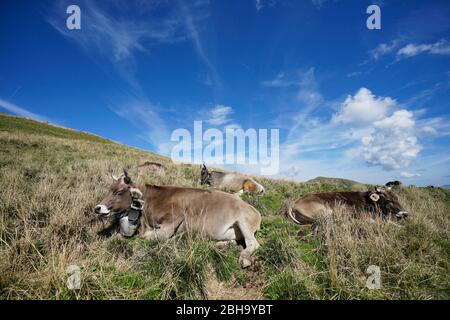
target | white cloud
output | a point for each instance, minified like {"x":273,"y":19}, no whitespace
{"x":117,"y":38}
{"x":280,"y":81}
{"x":193,"y":30}
{"x":429,"y":131}
{"x":307,"y":95}
{"x":151,"y":127}
{"x":442,"y":47}
{"x":319,"y":3}
{"x":383,"y":49}
{"x":219,"y":115}
{"x":409,"y":175}
{"x":363,"y":108}
{"x":393,"y":143}
{"x":364,"y":128}
{"x":259,"y":5}
{"x":21,"y":111}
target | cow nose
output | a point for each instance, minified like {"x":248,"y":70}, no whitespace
{"x":402,"y":215}
{"x":97,"y":209}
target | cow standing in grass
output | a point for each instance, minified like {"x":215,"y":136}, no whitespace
{"x":159,"y":212}
{"x":230,"y":181}
{"x":312,"y":207}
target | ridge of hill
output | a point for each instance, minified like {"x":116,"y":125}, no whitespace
{"x":335,"y":181}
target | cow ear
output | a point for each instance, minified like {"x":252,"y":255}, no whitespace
{"x":374,"y":197}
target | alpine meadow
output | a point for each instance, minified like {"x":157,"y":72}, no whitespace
{"x":51,"y":178}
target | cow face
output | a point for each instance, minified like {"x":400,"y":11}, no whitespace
{"x":388,"y":202}
{"x":118,"y":198}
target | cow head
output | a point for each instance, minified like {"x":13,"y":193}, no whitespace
{"x":205,"y":176}
{"x":119,"y":197}
{"x":388,"y":202}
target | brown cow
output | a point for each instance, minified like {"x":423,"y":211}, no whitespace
{"x":159,"y":212}
{"x":231,"y":181}
{"x":309,"y":208}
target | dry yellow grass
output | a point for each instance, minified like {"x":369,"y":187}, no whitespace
{"x":51,"y":178}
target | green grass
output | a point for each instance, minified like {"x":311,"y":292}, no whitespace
{"x":51,"y":178}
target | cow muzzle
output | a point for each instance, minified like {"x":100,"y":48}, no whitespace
{"x":402,"y":215}
{"x":102,"y":209}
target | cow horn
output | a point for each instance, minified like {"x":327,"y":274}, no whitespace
{"x":112,"y":175}
{"x":374,"y":197}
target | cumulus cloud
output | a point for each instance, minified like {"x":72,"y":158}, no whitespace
{"x":219,"y":115}
{"x":409,"y":175}
{"x":393,"y":143}
{"x":363,"y":108}
{"x":442,"y":47}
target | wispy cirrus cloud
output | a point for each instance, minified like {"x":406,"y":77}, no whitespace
{"x":258,"y":5}
{"x":144,"y":116}
{"x":409,"y":175}
{"x":441,"y":47}
{"x":192,"y":28}
{"x":116,"y":33}
{"x":219,"y":115}
{"x":383,"y":49}
{"x":108,"y":32}
{"x":15,"y":109}
{"x":319,"y":3}
{"x":306,"y":95}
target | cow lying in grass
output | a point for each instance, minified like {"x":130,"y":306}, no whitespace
{"x":159,"y":212}
{"x":230,"y":181}
{"x":312,"y":207}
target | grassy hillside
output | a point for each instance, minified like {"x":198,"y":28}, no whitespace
{"x":336,"y":182}
{"x":51,"y":178}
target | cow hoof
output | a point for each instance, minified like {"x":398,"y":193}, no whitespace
{"x":244,"y":262}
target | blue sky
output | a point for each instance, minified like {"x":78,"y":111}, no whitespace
{"x":369,"y":105}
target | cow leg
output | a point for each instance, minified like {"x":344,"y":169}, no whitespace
{"x":228,"y":237}
{"x":251,"y":244}
{"x":165,"y":231}
{"x":223,"y":244}
{"x":162,"y":233}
